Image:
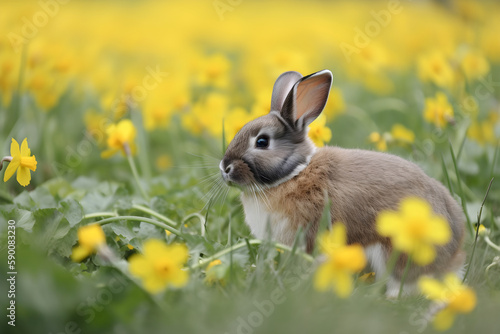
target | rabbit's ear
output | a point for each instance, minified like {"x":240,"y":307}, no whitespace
{"x":307,"y":99}
{"x":282,"y":87}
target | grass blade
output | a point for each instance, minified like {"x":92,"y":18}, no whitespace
{"x":460,"y":191}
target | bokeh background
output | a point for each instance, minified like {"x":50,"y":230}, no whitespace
{"x":414,"y":78}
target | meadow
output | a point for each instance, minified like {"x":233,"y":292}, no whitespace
{"x":127,"y":108}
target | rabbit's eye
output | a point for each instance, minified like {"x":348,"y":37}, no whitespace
{"x":262,"y":141}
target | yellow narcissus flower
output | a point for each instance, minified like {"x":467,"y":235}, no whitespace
{"x":402,"y":134}
{"x":438,"y":110}
{"x":434,"y":67}
{"x":319,"y":132}
{"x":342,"y":261}
{"x":414,"y":229}
{"x":457,"y":297}
{"x":21,"y":162}
{"x":379,"y":141}
{"x":90,"y":238}
{"x":120,"y":138}
{"x":160,"y":265}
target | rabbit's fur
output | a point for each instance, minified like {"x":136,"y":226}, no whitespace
{"x":285,"y":183}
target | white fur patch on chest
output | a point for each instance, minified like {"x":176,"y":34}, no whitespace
{"x":258,"y":215}
{"x":377,"y":259}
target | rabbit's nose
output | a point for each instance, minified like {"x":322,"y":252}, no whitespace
{"x":225,"y":170}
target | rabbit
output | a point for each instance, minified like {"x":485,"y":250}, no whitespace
{"x":285,"y":178}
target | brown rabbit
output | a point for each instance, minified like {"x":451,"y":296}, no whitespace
{"x":284,"y":179}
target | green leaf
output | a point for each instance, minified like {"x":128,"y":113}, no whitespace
{"x":49,"y":226}
{"x":72,"y":210}
{"x":24,"y":219}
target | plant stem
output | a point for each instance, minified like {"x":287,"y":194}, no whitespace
{"x":142,"y":219}
{"x":243,"y":244}
{"x":200,"y":217}
{"x":405,"y":273}
{"x":155,"y":214}
{"x":477,"y":231}
{"x":491,"y":244}
{"x":461,"y":192}
{"x":100,"y":214}
{"x":136,"y":175}
{"x":8,"y":158}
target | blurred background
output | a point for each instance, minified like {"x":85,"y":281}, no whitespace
{"x":410,"y":77}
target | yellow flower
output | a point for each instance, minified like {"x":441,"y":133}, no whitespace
{"x":402,"y":134}
{"x":319,"y":132}
{"x":90,"y":238}
{"x":341,"y":263}
{"x":475,"y":65}
{"x":438,"y":110}
{"x":415,"y":229}
{"x":434,"y":67}
{"x":213,"y":71}
{"x":379,"y":141}
{"x":22,"y":162}
{"x":457,"y":297}
{"x":120,"y":137}
{"x":160,"y":265}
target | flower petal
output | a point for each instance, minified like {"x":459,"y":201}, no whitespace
{"x":464,"y":301}
{"x":441,"y":232}
{"x":424,"y":254}
{"x":388,"y":223}
{"x":11,"y":168}
{"x":343,"y":284}
{"x":434,"y":289}
{"x":179,"y":253}
{"x":444,"y":319}
{"x":25,"y":151}
{"x":323,"y":277}
{"x":79,"y":253}
{"x":139,"y":266}
{"x":14,"y":149}
{"x":154,"y":284}
{"x":23,"y":176}
{"x":155,"y":248}
{"x":357,"y":258}
{"x":179,"y":278}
